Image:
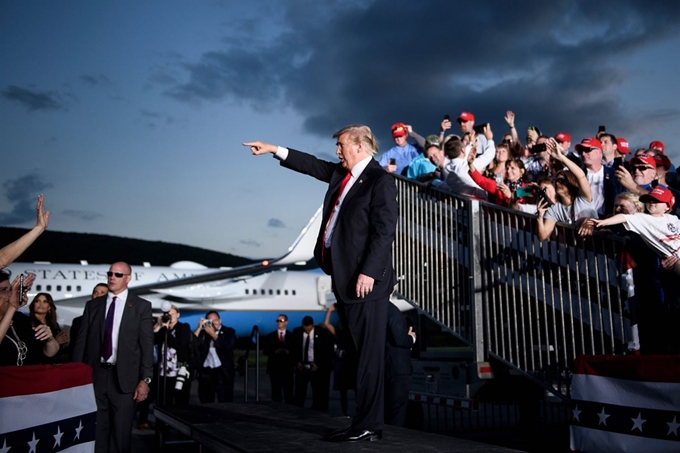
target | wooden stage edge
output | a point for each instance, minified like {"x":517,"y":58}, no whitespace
{"x":276,"y":427}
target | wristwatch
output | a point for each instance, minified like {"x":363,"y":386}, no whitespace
{"x":147,"y":380}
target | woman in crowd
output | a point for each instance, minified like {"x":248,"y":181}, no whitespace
{"x":496,"y":169}
{"x":174,"y":360}
{"x":574,"y":197}
{"x":20,"y":342}
{"x":43,"y":311}
{"x":500,"y":190}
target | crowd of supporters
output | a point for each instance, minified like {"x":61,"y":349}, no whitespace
{"x":598,"y":184}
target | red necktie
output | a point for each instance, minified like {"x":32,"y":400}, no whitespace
{"x":280,"y":337}
{"x":344,"y":182}
{"x":107,"y":350}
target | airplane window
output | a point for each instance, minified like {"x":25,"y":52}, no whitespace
{"x":285,"y":292}
{"x":68,"y":288}
{"x":38,"y":287}
{"x":254,"y":292}
{"x":78,"y":288}
{"x":293,"y":292}
{"x":58,"y":287}
{"x":262,"y":292}
{"x":247,"y":291}
{"x":271,"y":292}
{"x":48,"y":288}
{"x":278,"y":292}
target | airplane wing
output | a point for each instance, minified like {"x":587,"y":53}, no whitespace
{"x":300,"y":252}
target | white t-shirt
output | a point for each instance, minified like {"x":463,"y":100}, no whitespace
{"x":660,"y":233}
{"x":580,"y":208}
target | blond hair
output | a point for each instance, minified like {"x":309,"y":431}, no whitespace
{"x":358,"y":133}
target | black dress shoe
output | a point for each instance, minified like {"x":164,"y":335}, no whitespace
{"x":357,"y":435}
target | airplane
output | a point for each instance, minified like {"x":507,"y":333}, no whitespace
{"x":254,"y":294}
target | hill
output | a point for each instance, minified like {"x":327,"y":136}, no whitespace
{"x":59,"y":247}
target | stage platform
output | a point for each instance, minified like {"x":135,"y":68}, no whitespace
{"x":276,"y":427}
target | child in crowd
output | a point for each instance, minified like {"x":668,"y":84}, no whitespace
{"x":659,"y":230}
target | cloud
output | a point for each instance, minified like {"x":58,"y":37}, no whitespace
{"x":376,"y":63}
{"x":87,"y":216}
{"x":98,"y":80}
{"x":22,"y":193}
{"x":250,"y":242}
{"x":32,"y":100}
{"x":276,"y":223}
{"x":155,"y":117}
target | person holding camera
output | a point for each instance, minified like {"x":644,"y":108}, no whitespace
{"x":399,"y":157}
{"x":574,"y":196}
{"x":539,"y":164}
{"x":216,"y":356}
{"x":174,"y":339}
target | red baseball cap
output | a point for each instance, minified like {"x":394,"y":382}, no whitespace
{"x":589,"y":143}
{"x":656,"y":144}
{"x":644,"y":159}
{"x":466,"y":116}
{"x":622,"y":145}
{"x":660,"y":194}
{"x":662,"y":161}
{"x":399,"y":130}
{"x":563,"y":137}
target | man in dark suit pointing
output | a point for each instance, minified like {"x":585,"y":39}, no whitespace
{"x":355,"y":247}
{"x":116,"y":340}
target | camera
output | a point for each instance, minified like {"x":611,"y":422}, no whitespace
{"x":207,"y":322}
{"x":538,"y":148}
{"x":479,"y":130}
{"x":307,"y":366}
{"x":165,"y":318}
{"x":447,"y":117}
{"x":182,"y":375}
{"x":393,"y":161}
{"x":541,"y":195}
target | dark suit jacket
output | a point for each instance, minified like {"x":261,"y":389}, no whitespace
{"x":365,"y":228}
{"x":324,"y":350}
{"x":280,"y":355}
{"x":135,"y":340}
{"x":224,"y":346}
{"x":612,"y":187}
{"x":398,"y":345}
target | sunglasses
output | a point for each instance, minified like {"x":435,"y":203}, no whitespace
{"x":117,"y":274}
{"x":562,"y":181}
{"x":586,"y":150}
{"x":640,"y":168}
{"x":280,"y":320}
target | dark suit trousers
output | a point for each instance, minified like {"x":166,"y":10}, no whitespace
{"x":115,"y":413}
{"x":396,"y":399}
{"x":367,"y":323}
{"x":321,"y":385}
{"x":282,"y":383}
{"x":212,"y":381}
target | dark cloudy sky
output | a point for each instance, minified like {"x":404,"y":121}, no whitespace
{"x":129,"y":115}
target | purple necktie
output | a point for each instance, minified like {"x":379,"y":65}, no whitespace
{"x":107,"y":350}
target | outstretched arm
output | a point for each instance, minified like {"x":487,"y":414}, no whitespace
{"x":556,"y":153}
{"x":257,"y":147}
{"x":613,"y":220}
{"x":12,"y":251}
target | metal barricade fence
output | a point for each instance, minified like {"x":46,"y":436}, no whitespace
{"x":480,"y":271}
